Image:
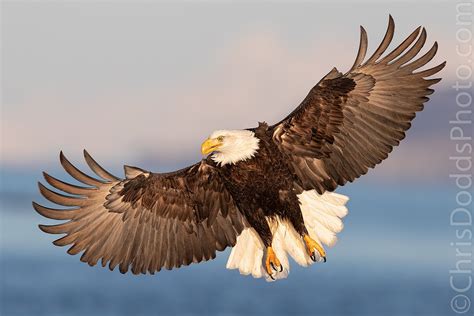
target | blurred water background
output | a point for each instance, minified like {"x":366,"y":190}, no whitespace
{"x":143,"y":83}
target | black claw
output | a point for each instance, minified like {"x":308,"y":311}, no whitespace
{"x":273,"y":266}
{"x":271,"y":276}
{"x":281,"y":268}
{"x":313,"y":257}
{"x":324,"y":259}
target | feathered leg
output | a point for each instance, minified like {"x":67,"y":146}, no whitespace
{"x":258,"y":222}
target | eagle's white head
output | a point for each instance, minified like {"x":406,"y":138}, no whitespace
{"x":230,"y":146}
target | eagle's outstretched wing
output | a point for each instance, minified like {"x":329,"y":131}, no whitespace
{"x":146,"y":221}
{"x":350,"y":123}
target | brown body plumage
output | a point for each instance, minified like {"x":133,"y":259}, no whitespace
{"x":264,"y":187}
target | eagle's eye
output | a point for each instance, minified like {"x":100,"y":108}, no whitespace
{"x":220,"y":138}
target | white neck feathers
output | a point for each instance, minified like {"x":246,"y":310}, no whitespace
{"x":238,"y":145}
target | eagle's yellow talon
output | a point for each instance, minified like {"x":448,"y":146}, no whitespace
{"x":312,"y":247}
{"x":272,"y":262}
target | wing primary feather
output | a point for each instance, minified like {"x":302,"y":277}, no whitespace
{"x":57,"y":229}
{"x":67,"y":187}
{"x":55,"y":213}
{"x":385,"y":42}
{"x":413,"y":51}
{"x":78,"y":174}
{"x":431,"y":71}
{"x":60,"y":198}
{"x":101,"y":172}
{"x":362,"y":49}
{"x":402,"y":47}
{"x":423,"y":60}
{"x":430,"y":91}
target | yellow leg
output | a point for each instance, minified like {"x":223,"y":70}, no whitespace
{"x":272,"y":262}
{"x":312,"y":246}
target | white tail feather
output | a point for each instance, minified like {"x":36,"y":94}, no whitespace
{"x":322,"y":216}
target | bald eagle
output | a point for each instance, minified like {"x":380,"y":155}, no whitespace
{"x":265,"y":191}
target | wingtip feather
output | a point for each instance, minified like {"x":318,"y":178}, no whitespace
{"x":98,"y":169}
{"x":387,"y":39}
{"x":44,"y":228}
{"x":362,"y":51}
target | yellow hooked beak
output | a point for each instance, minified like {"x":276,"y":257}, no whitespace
{"x":210,"y":145}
